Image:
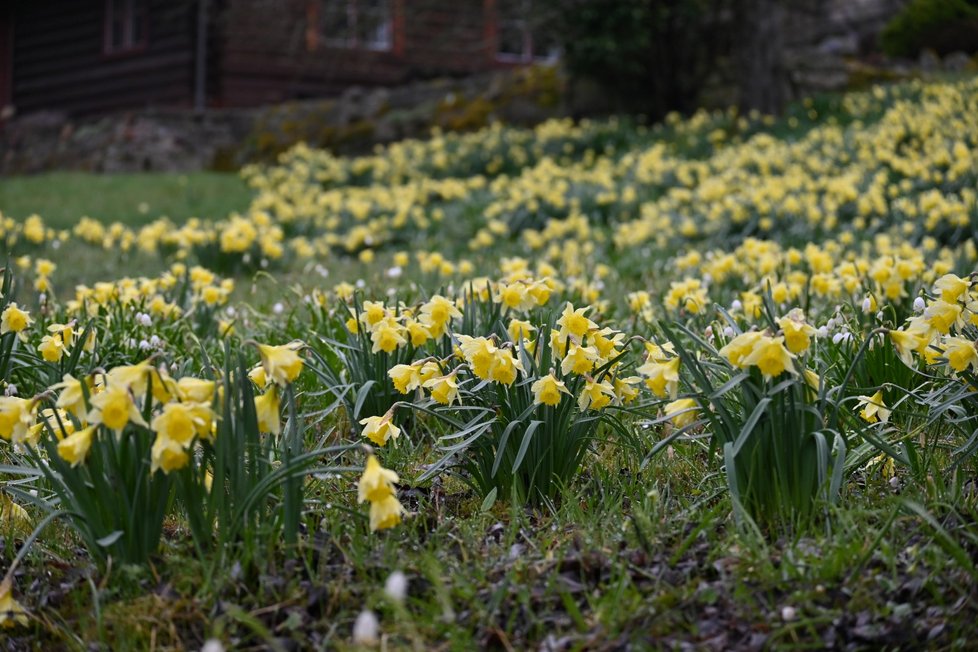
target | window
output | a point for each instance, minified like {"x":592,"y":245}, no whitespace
{"x":126,"y":25}
{"x":364,"y":24}
{"x":521,"y":35}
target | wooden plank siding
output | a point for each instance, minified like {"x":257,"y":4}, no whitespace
{"x":265,"y":58}
{"x":258,"y":52}
{"x":59,"y":60}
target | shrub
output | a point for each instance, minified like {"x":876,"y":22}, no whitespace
{"x":941,"y":25}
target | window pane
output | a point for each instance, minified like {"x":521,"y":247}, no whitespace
{"x":374,"y":24}
{"x":545,"y":43}
{"x":138,"y":17}
{"x":117,"y":39}
{"x":511,"y":38}
{"x":337,"y":22}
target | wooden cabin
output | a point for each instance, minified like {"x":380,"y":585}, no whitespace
{"x":85,"y":57}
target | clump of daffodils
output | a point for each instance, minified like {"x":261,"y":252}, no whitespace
{"x":376,"y":486}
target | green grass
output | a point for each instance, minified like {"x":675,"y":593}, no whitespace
{"x":63,"y":197}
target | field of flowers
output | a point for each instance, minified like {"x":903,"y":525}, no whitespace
{"x":594,"y":385}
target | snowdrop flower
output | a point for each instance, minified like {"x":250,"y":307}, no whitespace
{"x":394,"y":272}
{"x":144,"y":319}
{"x":11,"y":390}
{"x":788,"y":613}
{"x":361,"y":283}
{"x":396,"y":586}
{"x":841,"y":336}
{"x":736,"y":305}
{"x":365,"y":628}
{"x":278,"y":308}
{"x":212,"y":645}
{"x":867,"y":304}
{"x":822,"y":331}
{"x":919,"y":304}
{"x":144,"y":345}
{"x":155,"y":342}
{"x":728,"y":332}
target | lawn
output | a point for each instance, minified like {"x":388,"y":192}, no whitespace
{"x":703,"y":384}
{"x":132,"y":199}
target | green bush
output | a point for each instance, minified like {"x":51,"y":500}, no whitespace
{"x":943,"y":26}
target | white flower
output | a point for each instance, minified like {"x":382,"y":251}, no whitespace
{"x":822,"y":331}
{"x":728,"y":332}
{"x":212,"y":645}
{"x":736,"y":305}
{"x":919,"y":304}
{"x":278,"y":308}
{"x":394,"y":272}
{"x":365,"y":628}
{"x":11,"y":390}
{"x":396,"y":586}
{"x":144,"y":345}
{"x":788,"y":613}
{"x":867,"y":304}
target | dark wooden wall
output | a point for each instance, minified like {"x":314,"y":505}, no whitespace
{"x":59,"y":63}
{"x":265,"y":57}
{"x":258,"y":53}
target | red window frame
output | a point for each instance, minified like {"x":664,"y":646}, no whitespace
{"x":315,"y":37}
{"x":130,"y":44}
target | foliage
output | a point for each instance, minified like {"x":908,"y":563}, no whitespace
{"x":943,"y":26}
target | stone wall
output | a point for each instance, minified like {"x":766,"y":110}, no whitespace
{"x":161,"y":140}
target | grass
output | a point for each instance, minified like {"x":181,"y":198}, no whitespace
{"x":63,"y":197}
{"x":645,"y":558}
{"x":631,"y":557}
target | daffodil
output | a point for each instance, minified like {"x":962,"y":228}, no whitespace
{"x":11,"y":612}
{"x":505,"y":366}
{"x":12,"y":515}
{"x":579,"y":359}
{"x":682,"y":412}
{"x":267,"y":409}
{"x":406,"y":377}
{"x":16,"y":418}
{"x":548,"y":390}
{"x":376,"y":483}
{"x":51,"y":348}
{"x":771,"y":357}
{"x":574,"y":322}
{"x":737,"y":349}
{"x":444,"y":389}
{"x":797,"y":334}
{"x":960,"y":353}
{"x":74,"y":448}
{"x":14,"y":320}
{"x":379,"y":429}
{"x":385,"y":513}
{"x":661,"y":377}
{"x":196,"y":390}
{"x":72,"y":396}
{"x":282,"y":363}
{"x":437,"y":313}
{"x":595,"y":395}
{"x":873,"y":408}
{"x":480,"y":353}
{"x":114,"y":408}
